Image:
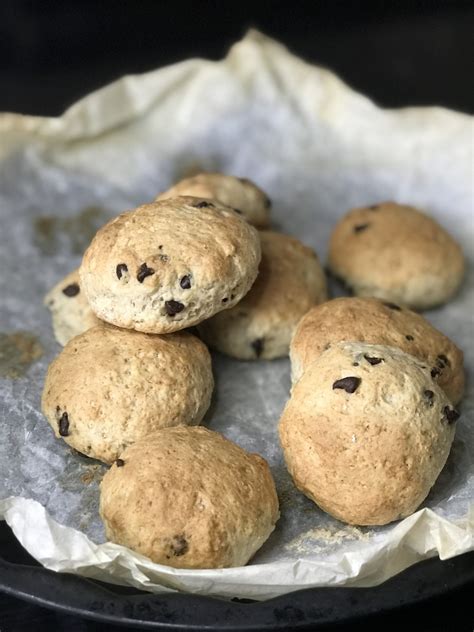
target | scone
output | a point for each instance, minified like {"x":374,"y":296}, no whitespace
{"x":377,"y":322}
{"x":110,"y":387}
{"x":169,"y":265}
{"x":189,"y":498}
{"x":70,"y":310}
{"x":239,"y":193}
{"x":366,"y":433}
{"x":397,"y":253}
{"x":290,"y":281}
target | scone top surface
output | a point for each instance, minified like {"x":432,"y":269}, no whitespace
{"x":239,"y":193}
{"x":398,"y":253}
{"x":366,"y":432}
{"x":170,"y":264}
{"x":290,"y":281}
{"x":110,"y":387}
{"x":376,"y":321}
{"x":189,"y":498}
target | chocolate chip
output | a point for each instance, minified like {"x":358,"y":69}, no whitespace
{"x":410,"y":338}
{"x":119,"y":462}
{"x":257,"y":346}
{"x":371,"y":360}
{"x":143,"y":272}
{"x":353,"y":364}
{"x":164,"y":258}
{"x":237,"y":210}
{"x":185,"y":282}
{"x":64,"y":425}
{"x":348,"y":384}
{"x":120,"y":269}
{"x":429,"y":395}
{"x":451,"y":414}
{"x":179,"y":546}
{"x":71,"y":290}
{"x":268,"y":202}
{"x":173,"y":307}
{"x":224,"y":300}
{"x":203,"y":205}
{"x":435,"y":372}
{"x":358,"y":228}
{"x":397,"y":308}
{"x":232,"y":296}
{"x":442,"y":361}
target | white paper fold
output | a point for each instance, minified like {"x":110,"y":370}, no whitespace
{"x":418,"y":537}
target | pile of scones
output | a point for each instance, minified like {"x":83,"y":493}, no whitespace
{"x":371,"y":416}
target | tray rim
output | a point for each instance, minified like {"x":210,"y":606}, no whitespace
{"x":309,"y":607}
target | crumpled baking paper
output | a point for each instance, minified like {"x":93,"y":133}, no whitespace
{"x":318,"y":148}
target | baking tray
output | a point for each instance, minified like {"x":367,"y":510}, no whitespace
{"x":313,"y":608}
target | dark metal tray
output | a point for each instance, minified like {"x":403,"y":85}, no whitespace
{"x":22,"y":577}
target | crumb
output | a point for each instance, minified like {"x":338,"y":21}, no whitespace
{"x":88,"y":477}
{"x":320,"y":538}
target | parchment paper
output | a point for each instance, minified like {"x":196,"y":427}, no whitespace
{"x":318,"y":148}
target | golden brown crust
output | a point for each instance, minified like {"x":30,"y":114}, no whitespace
{"x":169,"y":265}
{"x":397,"y":253}
{"x":189,"y":498}
{"x":238,"y":193}
{"x":290,"y":281}
{"x":378,"y":322}
{"x":111,"y":387}
{"x":366,"y":433}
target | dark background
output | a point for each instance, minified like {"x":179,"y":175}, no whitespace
{"x":398,"y":53}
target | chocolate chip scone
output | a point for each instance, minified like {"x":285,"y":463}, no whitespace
{"x":366,"y":433}
{"x":290,"y":281}
{"x":377,"y":322}
{"x":170,"y":264}
{"x":189,"y":498}
{"x":397,"y":253}
{"x":110,"y":387}
{"x":241,"y":194}
{"x":70,"y":310}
